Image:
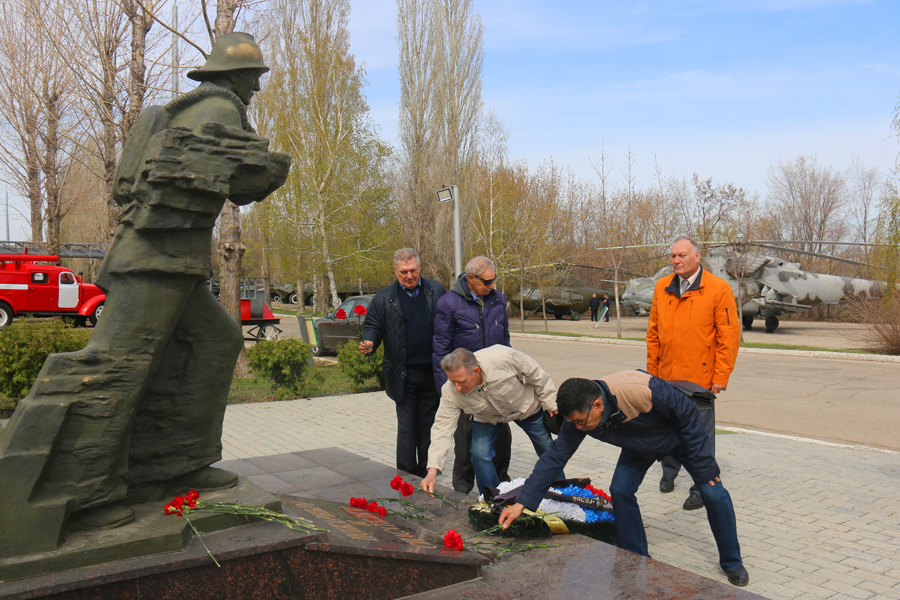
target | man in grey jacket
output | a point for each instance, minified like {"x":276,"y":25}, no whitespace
{"x":496,"y":385}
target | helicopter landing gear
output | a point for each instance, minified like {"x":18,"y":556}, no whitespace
{"x":771,"y":324}
{"x":747,"y":321}
{"x":575,"y":315}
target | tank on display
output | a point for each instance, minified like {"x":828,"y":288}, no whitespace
{"x":566,"y":297}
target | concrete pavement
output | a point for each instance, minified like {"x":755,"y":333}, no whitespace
{"x":815,"y":519}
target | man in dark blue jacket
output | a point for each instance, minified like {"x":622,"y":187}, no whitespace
{"x":648,"y":419}
{"x":472,"y":316}
{"x":402,"y":316}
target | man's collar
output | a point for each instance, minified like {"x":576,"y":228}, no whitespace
{"x":693,"y":278}
{"x":411,"y":291}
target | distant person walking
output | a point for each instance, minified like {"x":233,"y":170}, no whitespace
{"x":606,"y":304}
{"x":594,"y":305}
{"x":402,"y":316}
{"x":693,"y":334}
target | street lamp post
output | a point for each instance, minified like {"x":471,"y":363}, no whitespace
{"x":452,"y":193}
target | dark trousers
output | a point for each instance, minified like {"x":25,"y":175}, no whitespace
{"x":671,"y":465}
{"x":463,"y":470}
{"x":594,"y":314}
{"x":629,"y":474}
{"x":415,"y":416}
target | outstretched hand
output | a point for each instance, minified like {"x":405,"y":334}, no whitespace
{"x":429,"y":482}
{"x":510,"y":514}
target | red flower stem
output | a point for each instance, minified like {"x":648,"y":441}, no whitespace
{"x":199,"y":537}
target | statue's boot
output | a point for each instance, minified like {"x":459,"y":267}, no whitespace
{"x":206,"y":479}
{"x":108,"y":516}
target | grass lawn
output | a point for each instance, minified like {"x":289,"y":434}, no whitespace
{"x":324,"y":381}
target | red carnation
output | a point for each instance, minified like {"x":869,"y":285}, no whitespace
{"x":407,"y":489}
{"x":382,"y":511}
{"x":453,"y":540}
{"x":359,"y":309}
{"x":397,"y":482}
{"x":358,"y":502}
{"x":372,"y":507}
{"x":340,"y":314}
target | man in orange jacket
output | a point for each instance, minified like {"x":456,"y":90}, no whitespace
{"x":693,"y":334}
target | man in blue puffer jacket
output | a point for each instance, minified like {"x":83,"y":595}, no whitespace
{"x":472,"y":315}
{"x":648,"y":419}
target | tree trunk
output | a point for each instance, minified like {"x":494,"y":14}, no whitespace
{"x":301,"y":294}
{"x":109,"y":141}
{"x":33,"y":171}
{"x":140,"y":27}
{"x":618,"y":311}
{"x":51,"y":168}
{"x":522,"y":304}
{"x":231,"y":253}
{"x":231,"y":247}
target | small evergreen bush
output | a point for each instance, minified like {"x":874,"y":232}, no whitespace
{"x":25,"y":346}
{"x":282,"y":361}
{"x":358,"y":367}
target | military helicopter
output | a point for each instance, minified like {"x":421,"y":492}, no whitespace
{"x":568,"y":296}
{"x":770,"y":286}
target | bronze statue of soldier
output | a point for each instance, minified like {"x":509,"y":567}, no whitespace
{"x":138,"y":413}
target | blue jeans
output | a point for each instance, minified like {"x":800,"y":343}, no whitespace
{"x":483,"y":436}
{"x":629,"y":474}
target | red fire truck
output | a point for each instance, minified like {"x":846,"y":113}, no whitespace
{"x":28,"y":287}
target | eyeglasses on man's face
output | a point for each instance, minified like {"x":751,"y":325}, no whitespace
{"x":582,"y":422}
{"x":486,"y":281}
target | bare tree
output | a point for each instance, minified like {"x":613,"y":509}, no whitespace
{"x":865,"y":185}
{"x":35,"y":111}
{"x":336,"y":197}
{"x":415,"y":186}
{"x":441,"y":62}
{"x":809,"y":200}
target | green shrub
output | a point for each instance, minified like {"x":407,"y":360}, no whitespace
{"x":25,"y":346}
{"x":282,"y":361}
{"x":358,"y":367}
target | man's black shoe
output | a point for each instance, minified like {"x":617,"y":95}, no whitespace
{"x":666,"y":484}
{"x":739,"y":577}
{"x":693,"y":502}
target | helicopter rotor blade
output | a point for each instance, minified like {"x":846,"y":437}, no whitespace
{"x":817,"y":255}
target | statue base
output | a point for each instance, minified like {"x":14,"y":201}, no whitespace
{"x":151,"y":532}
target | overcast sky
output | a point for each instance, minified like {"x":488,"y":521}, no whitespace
{"x":724,"y":88}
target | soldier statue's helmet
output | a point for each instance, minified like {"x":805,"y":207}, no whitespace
{"x":231,"y":52}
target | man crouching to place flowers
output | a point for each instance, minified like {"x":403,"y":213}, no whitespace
{"x":495,"y":385}
{"x":648,"y":419}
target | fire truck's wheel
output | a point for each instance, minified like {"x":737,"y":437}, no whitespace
{"x":95,"y":316}
{"x":6,"y":316}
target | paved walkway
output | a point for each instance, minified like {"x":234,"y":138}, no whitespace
{"x":816,"y":520}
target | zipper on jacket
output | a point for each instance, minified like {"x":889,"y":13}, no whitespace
{"x":727,"y":317}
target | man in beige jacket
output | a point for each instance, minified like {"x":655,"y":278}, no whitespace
{"x":495,"y":385}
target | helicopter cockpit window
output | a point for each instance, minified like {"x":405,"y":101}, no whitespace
{"x":577,"y":298}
